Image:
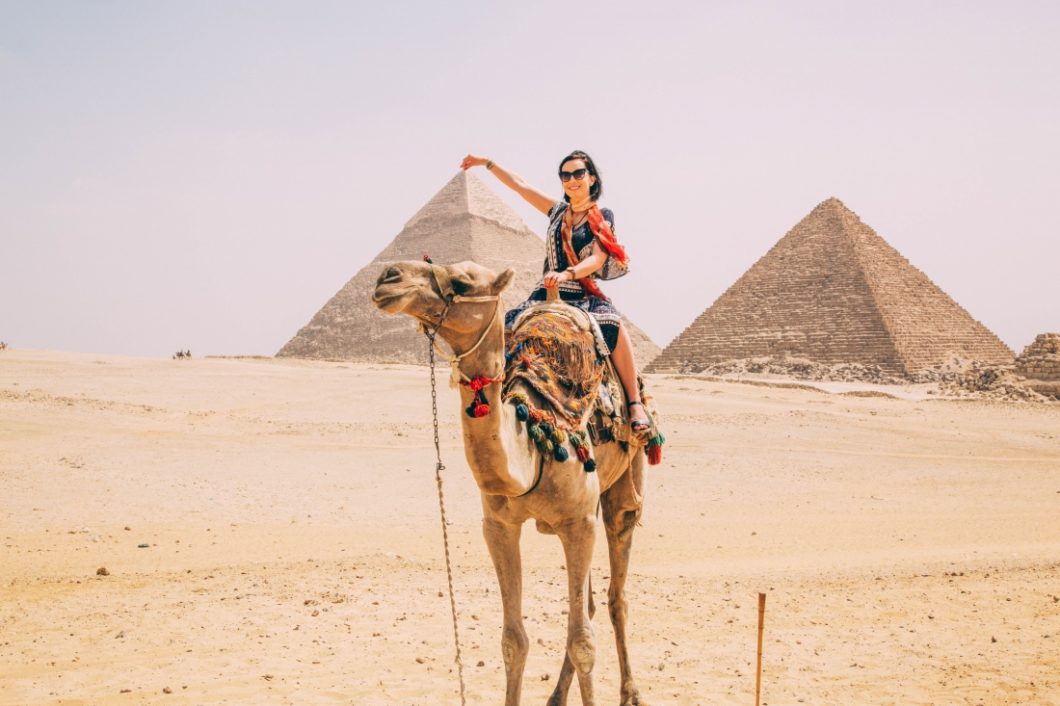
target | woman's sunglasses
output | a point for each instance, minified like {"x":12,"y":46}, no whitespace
{"x":577,"y":174}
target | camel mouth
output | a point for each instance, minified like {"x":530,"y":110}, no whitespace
{"x":389,"y":300}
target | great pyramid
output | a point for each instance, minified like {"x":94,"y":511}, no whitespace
{"x":463,"y":221}
{"x":833,"y":291}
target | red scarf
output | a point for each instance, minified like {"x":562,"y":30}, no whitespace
{"x":604,"y":235}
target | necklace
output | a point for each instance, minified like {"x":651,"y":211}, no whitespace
{"x":582,"y":206}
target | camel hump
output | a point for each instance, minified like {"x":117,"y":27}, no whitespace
{"x":557,"y":308}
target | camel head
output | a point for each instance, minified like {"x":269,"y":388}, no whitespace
{"x":421,"y":290}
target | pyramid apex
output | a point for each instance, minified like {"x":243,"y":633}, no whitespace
{"x":465,"y":194}
{"x":833,"y":204}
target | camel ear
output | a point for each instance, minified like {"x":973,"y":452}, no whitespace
{"x":503,"y":280}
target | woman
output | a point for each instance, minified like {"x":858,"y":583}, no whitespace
{"x":580,"y":248}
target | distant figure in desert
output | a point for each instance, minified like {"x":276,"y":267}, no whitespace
{"x":181,"y":355}
{"x":3,"y":346}
{"x":580,"y":248}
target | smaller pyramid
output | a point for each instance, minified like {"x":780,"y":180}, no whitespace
{"x":1040,"y":364}
{"x":834,"y":292}
{"x":463,"y":221}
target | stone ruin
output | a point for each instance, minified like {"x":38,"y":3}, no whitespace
{"x":833,"y":294}
{"x":1040,"y":365}
{"x":463,"y":221}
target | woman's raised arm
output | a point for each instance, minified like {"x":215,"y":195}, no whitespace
{"x":513,"y":181}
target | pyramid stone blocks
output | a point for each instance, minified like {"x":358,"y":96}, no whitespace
{"x":834,"y":292}
{"x":1040,"y":364}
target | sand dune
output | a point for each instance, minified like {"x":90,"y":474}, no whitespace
{"x":270,"y":533}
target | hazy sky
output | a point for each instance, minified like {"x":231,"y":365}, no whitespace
{"x":206,"y":175}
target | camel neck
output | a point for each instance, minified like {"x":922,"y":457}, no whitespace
{"x":489,"y":442}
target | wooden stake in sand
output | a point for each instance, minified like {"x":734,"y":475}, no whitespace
{"x":758,"y":668}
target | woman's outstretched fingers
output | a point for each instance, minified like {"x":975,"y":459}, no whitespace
{"x":472,"y":161}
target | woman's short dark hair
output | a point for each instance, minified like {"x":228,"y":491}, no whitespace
{"x":597,"y":188}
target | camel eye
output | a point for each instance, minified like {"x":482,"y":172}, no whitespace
{"x":461,"y":286}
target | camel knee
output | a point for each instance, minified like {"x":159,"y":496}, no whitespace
{"x":514,"y":646}
{"x":616,"y":606}
{"x":582,"y":650}
{"x":622,"y":525}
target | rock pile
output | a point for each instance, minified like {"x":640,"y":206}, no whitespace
{"x":797,"y":368}
{"x":955,"y":377}
{"x":983,"y":381}
{"x":1040,"y":364}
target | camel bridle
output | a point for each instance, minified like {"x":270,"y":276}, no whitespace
{"x":444,"y":283}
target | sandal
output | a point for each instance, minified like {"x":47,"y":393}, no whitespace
{"x":639,"y":426}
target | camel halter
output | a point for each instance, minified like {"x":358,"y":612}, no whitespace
{"x":445,"y":289}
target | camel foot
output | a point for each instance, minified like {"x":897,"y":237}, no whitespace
{"x":633,"y":699}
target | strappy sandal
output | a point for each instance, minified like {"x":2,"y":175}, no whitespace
{"x":638,"y":426}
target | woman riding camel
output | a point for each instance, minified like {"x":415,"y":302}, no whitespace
{"x":580,"y":248}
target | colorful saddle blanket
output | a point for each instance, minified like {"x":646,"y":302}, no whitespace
{"x":551,"y":348}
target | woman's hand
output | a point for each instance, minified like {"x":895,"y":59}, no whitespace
{"x":473,"y":161}
{"x":552,"y":279}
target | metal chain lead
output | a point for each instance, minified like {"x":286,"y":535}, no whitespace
{"x":441,"y":506}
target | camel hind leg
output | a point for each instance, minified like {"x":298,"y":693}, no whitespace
{"x":622,"y":505}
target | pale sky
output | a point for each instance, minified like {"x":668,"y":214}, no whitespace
{"x":206,"y":175}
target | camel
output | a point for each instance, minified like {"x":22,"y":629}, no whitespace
{"x":517,"y":482}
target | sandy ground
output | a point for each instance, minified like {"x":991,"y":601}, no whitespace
{"x":271,"y":534}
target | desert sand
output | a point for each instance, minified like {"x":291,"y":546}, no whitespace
{"x":270,"y":534}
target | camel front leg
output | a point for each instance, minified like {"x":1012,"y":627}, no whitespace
{"x":503,"y":542}
{"x":566,"y":672}
{"x":619,"y":522}
{"x":577,"y":537}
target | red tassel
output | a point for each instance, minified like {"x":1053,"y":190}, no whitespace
{"x":481,"y":410}
{"x":583,"y":453}
{"x":654,"y":454}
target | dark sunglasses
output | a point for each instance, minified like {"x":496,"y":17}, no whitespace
{"x":577,"y":174}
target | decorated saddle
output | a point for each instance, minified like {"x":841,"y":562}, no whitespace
{"x":551,"y":348}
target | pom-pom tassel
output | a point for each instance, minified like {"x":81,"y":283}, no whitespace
{"x":561,"y":454}
{"x":655,"y":449}
{"x":522,"y":413}
{"x":589,"y":465}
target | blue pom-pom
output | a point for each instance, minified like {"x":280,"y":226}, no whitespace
{"x":522,"y":412}
{"x":590,"y":465}
{"x":561,"y":454}
{"x":546,"y":428}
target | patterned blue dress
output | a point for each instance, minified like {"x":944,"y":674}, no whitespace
{"x":603,"y":314}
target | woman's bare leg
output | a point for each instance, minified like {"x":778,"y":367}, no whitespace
{"x":622,"y":357}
